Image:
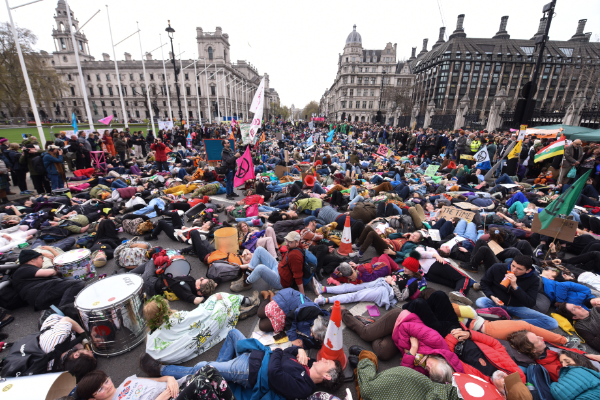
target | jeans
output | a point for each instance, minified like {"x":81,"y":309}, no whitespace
{"x":264,"y":266}
{"x":318,"y":189}
{"x":267,"y":209}
{"x":354,"y":201}
{"x":250,"y":219}
{"x":150,"y":207}
{"x":526,"y":314}
{"x":118,"y":184}
{"x":445,"y":227}
{"x":233,"y":367}
{"x":466,"y":230}
{"x":56,"y":181}
{"x":377,"y":179}
{"x":229,"y":187}
{"x":504,"y":178}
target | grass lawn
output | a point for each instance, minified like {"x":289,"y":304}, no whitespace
{"x":14,"y":135}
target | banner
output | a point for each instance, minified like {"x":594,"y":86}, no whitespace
{"x":564,"y":204}
{"x":257,"y":108}
{"x":330,"y":136}
{"x":310,"y":142}
{"x":482,"y":159}
{"x":74,"y":123}
{"x":431,"y":170}
{"x":166,"y":125}
{"x":245,"y":129}
{"x":554,"y":149}
{"x":245,"y":169}
{"x":516,"y":151}
{"x":383,"y":150}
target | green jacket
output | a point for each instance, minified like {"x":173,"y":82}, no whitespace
{"x":406,"y":249}
{"x":312,"y":204}
{"x":96,"y":190}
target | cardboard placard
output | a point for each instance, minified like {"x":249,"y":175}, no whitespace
{"x":466,"y":157}
{"x":496,"y":248}
{"x":383,"y":150}
{"x":565,"y":229}
{"x":431,"y":170}
{"x":467,"y":206}
{"x":452,"y":212}
{"x":280,"y":170}
{"x":279,"y":135}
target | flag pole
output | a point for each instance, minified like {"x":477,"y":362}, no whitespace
{"x":555,"y":237}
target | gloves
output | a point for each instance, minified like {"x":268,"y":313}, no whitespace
{"x":331,"y":281}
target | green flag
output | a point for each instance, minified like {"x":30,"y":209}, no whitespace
{"x":565,"y":203}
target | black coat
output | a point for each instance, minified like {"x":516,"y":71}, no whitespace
{"x":524,"y":296}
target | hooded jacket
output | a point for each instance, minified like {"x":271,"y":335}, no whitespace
{"x":569,"y":292}
{"x":364,"y":211}
{"x":576,"y":383}
{"x":524,"y":296}
{"x":160,"y":153}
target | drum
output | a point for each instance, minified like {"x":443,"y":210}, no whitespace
{"x":111,"y":311}
{"x":226,"y":240}
{"x":76,"y":264}
{"x":62,"y":192}
{"x":178,"y":268}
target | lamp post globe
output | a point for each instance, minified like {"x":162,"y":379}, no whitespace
{"x":170,"y":31}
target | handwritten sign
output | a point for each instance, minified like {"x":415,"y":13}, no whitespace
{"x":453,"y":212}
{"x":431,"y":170}
{"x":466,"y":157}
{"x":560,"y":228}
{"x":383,"y":150}
{"x":496,"y":248}
{"x":467,"y":206}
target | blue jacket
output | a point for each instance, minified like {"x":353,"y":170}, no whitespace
{"x":300,"y":314}
{"x":569,"y":292}
{"x":49,"y":161}
{"x":576,"y":383}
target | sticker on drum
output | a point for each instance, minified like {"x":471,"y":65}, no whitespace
{"x":76,"y":264}
{"x":178,"y":268}
{"x":118,"y":287}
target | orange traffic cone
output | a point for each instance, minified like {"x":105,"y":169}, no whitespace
{"x":346,"y":245}
{"x":332,"y":348}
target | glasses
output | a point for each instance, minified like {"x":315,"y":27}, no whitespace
{"x":102,"y":388}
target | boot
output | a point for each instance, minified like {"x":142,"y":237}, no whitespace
{"x":248,"y":311}
{"x":150,"y":366}
{"x":241,"y":285}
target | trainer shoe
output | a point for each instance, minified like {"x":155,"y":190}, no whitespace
{"x":458,"y":296}
{"x":317,"y":286}
{"x":476,"y":286}
{"x":354,"y":254}
{"x":248,"y":311}
{"x":355,"y":247}
{"x":320,"y":300}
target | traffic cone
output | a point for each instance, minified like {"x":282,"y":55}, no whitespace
{"x":346,"y":245}
{"x":333,"y":346}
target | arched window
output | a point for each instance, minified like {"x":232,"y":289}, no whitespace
{"x":210,"y":53}
{"x":61,"y":27}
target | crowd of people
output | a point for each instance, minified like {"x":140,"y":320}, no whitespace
{"x":314,"y":185}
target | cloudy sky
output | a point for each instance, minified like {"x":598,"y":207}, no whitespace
{"x":297,"y":43}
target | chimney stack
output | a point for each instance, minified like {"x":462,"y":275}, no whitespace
{"x":588,"y":36}
{"x":440,"y":37}
{"x":148,"y":56}
{"x":502,"y":34}
{"x":105,"y":57}
{"x":579,"y":36}
{"x":459,"y":31}
{"x":127,"y":57}
{"x":424,"y":49}
{"x":541,"y":28}
{"x":413,"y":54}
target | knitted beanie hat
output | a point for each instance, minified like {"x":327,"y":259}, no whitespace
{"x":412,"y":261}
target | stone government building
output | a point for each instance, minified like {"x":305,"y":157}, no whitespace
{"x":101,"y":84}
{"x":475,"y":82}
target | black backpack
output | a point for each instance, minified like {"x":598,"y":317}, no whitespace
{"x":38,"y":165}
{"x":27,"y":358}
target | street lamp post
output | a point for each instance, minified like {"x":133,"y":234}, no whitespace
{"x":380,"y":94}
{"x":170,"y":32}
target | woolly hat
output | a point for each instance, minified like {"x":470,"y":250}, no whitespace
{"x":27,"y":255}
{"x":412,"y":261}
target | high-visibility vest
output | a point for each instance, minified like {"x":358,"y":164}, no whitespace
{"x":475,"y":145}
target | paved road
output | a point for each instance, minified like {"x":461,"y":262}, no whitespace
{"x":122,"y":366}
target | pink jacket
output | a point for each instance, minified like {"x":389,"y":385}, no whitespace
{"x":430,"y":342}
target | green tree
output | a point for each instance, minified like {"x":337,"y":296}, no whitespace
{"x":310,"y":109}
{"x":45,"y":82}
{"x":278,"y":111}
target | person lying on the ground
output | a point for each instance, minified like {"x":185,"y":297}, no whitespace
{"x":585,"y":322}
{"x":292,"y":312}
{"x":290,"y":372}
{"x":98,"y":386}
{"x":544,"y":353}
{"x":567,"y":292}
{"x":578,"y":378}
{"x":356,"y":274}
{"x":191,"y":333}
{"x":515,"y":287}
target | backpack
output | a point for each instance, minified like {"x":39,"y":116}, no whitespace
{"x":53,"y":233}
{"x":10,"y":298}
{"x":131,"y":225}
{"x":33,"y":220}
{"x":85,"y":242}
{"x":395,"y":223}
{"x":407,"y":224}
{"x":309,"y":265}
{"x":38,"y":165}
{"x":223,"y":271}
{"x":540,"y":378}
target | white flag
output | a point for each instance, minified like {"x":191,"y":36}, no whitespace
{"x":482,"y":155}
{"x":257,"y":109}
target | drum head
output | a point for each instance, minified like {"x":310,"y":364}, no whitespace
{"x":108,"y":291}
{"x":178,"y":268}
{"x":161,"y":178}
{"x":71,"y":256}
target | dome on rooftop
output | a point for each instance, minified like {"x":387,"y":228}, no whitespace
{"x":354,"y":37}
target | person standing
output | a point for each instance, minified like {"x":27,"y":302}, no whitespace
{"x":121,"y":147}
{"x":18,"y":171}
{"x":160,"y":152}
{"x":572,"y":158}
{"x":53,"y":160}
{"x":228,"y":160}
{"x":40,"y":183}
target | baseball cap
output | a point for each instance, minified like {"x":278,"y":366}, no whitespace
{"x":53,"y":147}
{"x":293,"y":236}
{"x":308,"y":220}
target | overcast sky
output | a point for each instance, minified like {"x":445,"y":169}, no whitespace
{"x":297,"y":43}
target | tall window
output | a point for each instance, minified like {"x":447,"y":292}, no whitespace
{"x":130,"y":77}
{"x":72,"y":91}
{"x":210,"y":53}
{"x":110,"y":91}
{"x":101,"y":91}
{"x":108,"y":77}
{"x":212,"y":90}
{"x":91,"y":91}
{"x":62,"y":43}
{"x":188,"y":91}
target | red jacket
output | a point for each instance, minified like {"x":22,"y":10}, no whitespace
{"x":160,"y":152}
{"x":254,"y":199}
{"x":494,"y":351}
{"x":552,"y":363}
{"x":127,"y":193}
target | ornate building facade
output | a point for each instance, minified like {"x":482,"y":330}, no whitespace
{"x":362,"y":80}
{"x":223,"y":88}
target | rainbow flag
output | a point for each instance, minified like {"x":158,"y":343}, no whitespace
{"x":554,"y":149}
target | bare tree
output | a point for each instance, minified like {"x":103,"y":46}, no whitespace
{"x":278,"y":111}
{"x":399,"y":98}
{"x":310,"y":109}
{"x":45,"y":82}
